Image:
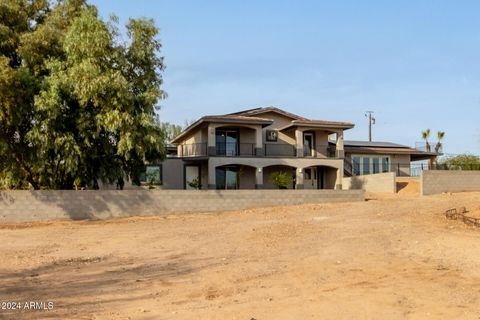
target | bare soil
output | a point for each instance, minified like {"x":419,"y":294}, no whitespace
{"x":391,"y":257}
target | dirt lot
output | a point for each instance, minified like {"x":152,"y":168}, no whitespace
{"x":392,"y":257}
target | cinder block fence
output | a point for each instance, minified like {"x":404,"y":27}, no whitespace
{"x":438,"y":181}
{"x":21,"y":206}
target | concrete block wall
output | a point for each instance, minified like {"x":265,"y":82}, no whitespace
{"x":380,"y":182}
{"x":438,"y":181}
{"x":22,"y":206}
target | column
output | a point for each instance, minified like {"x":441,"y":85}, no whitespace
{"x":338,"y":181}
{"x":211,"y":149}
{"x":212,"y":178}
{"x":340,"y":153}
{"x":299,"y":142}
{"x":299,"y":178}
{"x":259,"y":142}
{"x":259,"y":178}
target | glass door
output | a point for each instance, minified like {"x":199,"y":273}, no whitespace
{"x":307,"y":144}
{"x":226,"y":142}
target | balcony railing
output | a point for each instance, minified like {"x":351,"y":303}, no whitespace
{"x":243,"y":150}
{"x":232,"y":149}
{"x":279,"y":150}
{"x":194,"y":149}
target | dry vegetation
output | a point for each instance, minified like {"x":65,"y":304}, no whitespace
{"x":392,"y":257}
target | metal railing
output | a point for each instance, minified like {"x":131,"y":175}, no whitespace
{"x":407,"y":169}
{"x":233,"y":149}
{"x":194,"y":149}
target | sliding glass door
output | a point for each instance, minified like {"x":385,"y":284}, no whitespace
{"x":226,"y":142}
{"x":227,"y":177}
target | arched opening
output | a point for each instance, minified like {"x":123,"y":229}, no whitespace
{"x":270,"y":170}
{"x":235,"y":176}
{"x":319,"y":177}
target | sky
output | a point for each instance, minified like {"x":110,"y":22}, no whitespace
{"x":416,"y":64}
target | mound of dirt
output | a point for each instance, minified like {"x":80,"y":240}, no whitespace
{"x":408,"y":186}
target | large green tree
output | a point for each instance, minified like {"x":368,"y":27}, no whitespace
{"x":77,"y":104}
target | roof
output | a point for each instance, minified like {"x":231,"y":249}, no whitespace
{"x":251,"y":116}
{"x":228,"y":118}
{"x":378,"y":144}
{"x":261,"y":110}
{"x":381,"y":147}
{"x":318,"y":123}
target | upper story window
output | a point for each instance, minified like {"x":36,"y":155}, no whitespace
{"x":226,"y":141}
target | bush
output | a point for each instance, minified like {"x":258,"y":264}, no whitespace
{"x":281,"y":179}
{"x":461,"y":162}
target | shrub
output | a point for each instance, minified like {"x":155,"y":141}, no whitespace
{"x":281,"y":179}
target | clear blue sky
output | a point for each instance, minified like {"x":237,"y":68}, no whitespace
{"x":415,"y":63}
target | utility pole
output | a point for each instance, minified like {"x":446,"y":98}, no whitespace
{"x":371,"y":121}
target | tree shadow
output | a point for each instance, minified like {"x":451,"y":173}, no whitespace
{"x":80,"y":286}
{"x":98,"y":204}
{"x":356,"y":183}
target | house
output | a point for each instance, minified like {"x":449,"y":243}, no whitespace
{"x":364,"y":157}
{"x":242,"y":150}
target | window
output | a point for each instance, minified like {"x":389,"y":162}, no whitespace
{"x":151,"y":174}
{"x":376,"y":165}
{"x":356,"y":165}
{"x":227,"y":178}
{"x":226,"y":142}
{"x":385,"y":164}
{"x":366,"y":165}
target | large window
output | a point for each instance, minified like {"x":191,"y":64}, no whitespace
{"x":226,"y":142}
{"x":151,"y":174}
{"x":356,"y":165}
{"x":370,"y":164}
{"x":227,"y":178}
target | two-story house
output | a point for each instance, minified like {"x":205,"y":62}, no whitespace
{"x":241,"y":150}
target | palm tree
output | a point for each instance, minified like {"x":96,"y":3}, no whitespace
{"x":425,"y":136}
{"x":438,"y":146}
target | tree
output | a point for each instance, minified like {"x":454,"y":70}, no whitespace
{"x":461,"y":162}
{"x":77,"y":105}
{"x":425,"y":136}
{"x":171,"y":130}
{"x":440,"y":136}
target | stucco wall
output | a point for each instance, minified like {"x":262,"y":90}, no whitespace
{"x":437,"y":181}
{"x":21,"y":206}
{"x":380,"y":182}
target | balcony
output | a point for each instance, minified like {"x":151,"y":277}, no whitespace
{"x":245,"y":150}
{"x":192,"y":150}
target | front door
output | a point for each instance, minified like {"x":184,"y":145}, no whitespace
{"x":192,"y":177}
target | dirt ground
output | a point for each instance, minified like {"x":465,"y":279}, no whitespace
{"x":391,"y":257}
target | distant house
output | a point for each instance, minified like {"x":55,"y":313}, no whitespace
{"x":241,"y":151}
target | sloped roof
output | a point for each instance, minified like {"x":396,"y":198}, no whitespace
{"x":260,"y":110}
{"x":228,"y":118}
{"x":380,"y":144}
